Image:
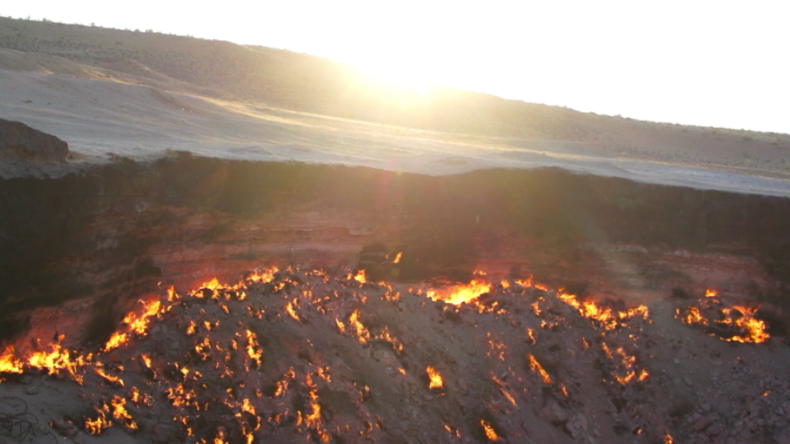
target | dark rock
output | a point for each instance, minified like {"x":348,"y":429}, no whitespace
{"x":577,"y":425}
{"x":26,"y":143}
{"x":65,"y":429}
{"x":163,"y":433}
{"x":554,"y":413}
{"x":705,"y":422}
{"x":715,"y":430}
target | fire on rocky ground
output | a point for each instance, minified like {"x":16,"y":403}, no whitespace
{"x":325,"y":356}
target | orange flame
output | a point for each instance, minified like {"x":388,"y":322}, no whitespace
{"x":536,"y":308}
{"x":531,"y":335}
{"x":397,"y":258}
{"x":526,"y":283}
{"x":693,"y":316}
{"x":57,"y":360}
{"x":213,"y":284}
{"x":534,"y":365}
{"x":754,"y":327}
{"x":264,"y":276}
{"x":360,"y":277}
{"x":489,"y":431}
{"x":313,"y":419}
{"x":626,"y":371}
{"x":116,"y":340}
{"x":98,"y":425}
{"x":709,"y":293}
{"x":739,"y":317}
{"x":436,"y":381}
{"x":134,"y":324}
{"x":460,"y":294}
{"x":289,"y":307}
{"x":112,"y":379}
{"x":362,"y":332}
{"x":254,"y":350}
{"x":203,"y":349}
{"x":503,"y":388}
{"x":120,"y":413}
{"x":246,"y":406}
{"x":9,"y":363}
{"x":385,"y":335}
{"x":323,"y":373}
{"x":171,"y":294}
{"x":604,"y":315}
{"x":282,"y":385}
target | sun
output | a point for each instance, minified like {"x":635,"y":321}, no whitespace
{"x":398,"y":75}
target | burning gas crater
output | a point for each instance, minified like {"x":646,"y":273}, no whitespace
{"x":285,"y":356}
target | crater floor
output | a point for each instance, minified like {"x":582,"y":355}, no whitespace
{"x":325,"y":356}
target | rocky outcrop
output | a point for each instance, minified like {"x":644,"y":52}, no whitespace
{"x":20,"y":141}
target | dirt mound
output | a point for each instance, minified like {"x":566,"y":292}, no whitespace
{"x":23,"y":142}
{"x":326,"y":356}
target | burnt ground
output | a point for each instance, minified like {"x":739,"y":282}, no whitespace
{"x":319,"y":356}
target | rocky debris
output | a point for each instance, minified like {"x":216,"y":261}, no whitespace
{"x":163,"y":433}
{"x":20,"y":141}
{"x":704,"y":422}
{"x":321,"y":355}
{"x":65,"y":429}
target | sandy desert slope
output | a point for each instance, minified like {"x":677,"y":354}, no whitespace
{"x":103,"y":117}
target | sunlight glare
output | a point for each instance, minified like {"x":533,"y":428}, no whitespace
{"x":397,"y":76}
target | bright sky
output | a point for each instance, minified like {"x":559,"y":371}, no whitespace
{"x":712,"y":63}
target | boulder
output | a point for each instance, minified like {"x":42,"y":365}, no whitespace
{"x":23,"y":142}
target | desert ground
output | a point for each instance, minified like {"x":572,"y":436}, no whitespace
{"x":137,"y":94}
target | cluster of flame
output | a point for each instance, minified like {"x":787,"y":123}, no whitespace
{"x":733,"y":319}
{"x":608,"y":318}
{"x":53,"y":361}
{"x":624,"y":368}
{"x":56,"y":360}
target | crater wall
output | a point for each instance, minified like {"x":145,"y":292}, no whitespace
{"x":91,"y":242}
